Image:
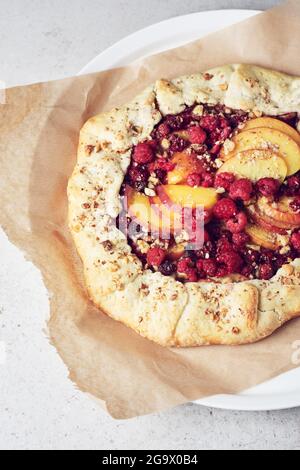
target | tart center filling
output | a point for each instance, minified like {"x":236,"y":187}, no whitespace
{"x":215,"y":192}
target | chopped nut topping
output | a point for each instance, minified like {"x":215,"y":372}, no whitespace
{"x":257,"y":113}
{"x":285,"y":250}
{"x":165,"y":144}
{"x":218,"y":163}
{"x":208,"y":76}
{"x":198,"y":110}
{"x":229,"y":146}
{"x":89,"y":149}
{"x":182,"y":237}
{"x":220,"y":190}
{"x":107,"y":245}
{"x":143,"y":246}
{"x":149,"y":192}
{"x":223,"y":86}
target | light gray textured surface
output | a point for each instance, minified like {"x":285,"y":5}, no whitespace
{"x":39,"y":407}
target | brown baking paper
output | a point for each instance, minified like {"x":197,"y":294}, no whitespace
{"x":38,"y":138}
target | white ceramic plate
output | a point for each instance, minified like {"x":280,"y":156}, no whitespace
{"x":284,"y":391}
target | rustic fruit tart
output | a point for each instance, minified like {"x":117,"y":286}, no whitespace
{"x":242,"y":168}
{"x":184,"y":207}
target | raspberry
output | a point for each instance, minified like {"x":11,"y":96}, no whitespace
{"x":191,"y":275}
{"x":209,"y":123}
{"x":143,"y":153}
{"x":232,"y":261}
{"x":222,"y":271}
{"x":293,"y":186}
{"x":237,"y":224}
{"x":138,"y":178}
{"x":265,"y":272}
{"x":156,"y":256}
{"x":241,"y":189}
{"x":224,"y":246}
{"x":295,"y":240}
{"x":208,"y":180}
{"x":295,"y":205}
{"x":268,"y":186}
{"x":177,"y":144}
{"x":210,"y":267}
{"x":161,"y":164}
{"x":163,"y":130}
{"x":240,"y":239}
{"x":184,"y":264}
{"x":196,"y":135}
{"x":167,"y":268}
{"x":225,"y":209}
{"x":194,"y":179}
{"x":224,"y":180}
{"x":185,"y":267}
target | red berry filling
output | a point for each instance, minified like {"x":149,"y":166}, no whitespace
{"x":194,"y":179}
{"x":295,"y":240}
{"x":197,"y":135}
{"x":268,"y":186}
{"x":225,"y":209}
{"x":231,"y":261}
{"x":227,"y":247}
{"x":143,"y":153}
{"x":156,"y":256}
{"x":266,"y":271}
{"x":237,"y":224}
{"x":295,"y":205}
{"x":224,"y":180}
{"x":241,"y":189}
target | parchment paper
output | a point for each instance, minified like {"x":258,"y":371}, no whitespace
{"x":39,"y":127}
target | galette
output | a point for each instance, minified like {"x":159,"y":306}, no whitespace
{"x":184,"y":207}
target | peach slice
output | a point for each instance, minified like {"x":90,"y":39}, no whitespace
{"x":265,"y":138}
{"x":263,"y":238}
{"x":256,"y":164}
{"x":157,"y":221}
{"x":185,"y":196}
{"x":140,"y":210}
{"x":185,"y":165}
{"x":272,"y":123}
{"x":266,"y":224}
{"x":279,"y":213}
{"x":168,"y":218}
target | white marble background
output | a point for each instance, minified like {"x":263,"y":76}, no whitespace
{"x":39,"y":406}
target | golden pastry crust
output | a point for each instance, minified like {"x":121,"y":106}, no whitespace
{"x":158,"y":307}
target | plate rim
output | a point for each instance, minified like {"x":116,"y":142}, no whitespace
{"x":247,"y":400}
{"x":123,"y":42}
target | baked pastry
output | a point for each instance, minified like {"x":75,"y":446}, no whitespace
{"x":221,"y":149}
